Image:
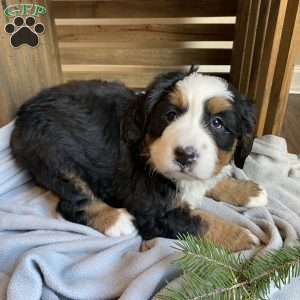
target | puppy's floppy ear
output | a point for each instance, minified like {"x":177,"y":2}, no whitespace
{"x":136,"y":120}
{"x":160,"y":87}
{"x":193,"y":69}
{"x":246,"y":128}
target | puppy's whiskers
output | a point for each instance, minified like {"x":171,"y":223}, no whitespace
{"x":153,"y":171}
{"x":150,"y":168}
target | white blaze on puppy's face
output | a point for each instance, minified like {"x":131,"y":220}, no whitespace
{"x":189,"y":133}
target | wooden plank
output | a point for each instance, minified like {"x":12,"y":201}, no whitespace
{"x":150,"y":33}
{"x":239,"y":43}
{"x":25,"y":70}
{"x":143,"y":21}
{"x":273,"y":43}
{"x":249,"y":46}
{"x":132,"y":80}
{"x":260,"y":40}
{"x":137,"y":77}
{"x":268,"y":60}
{"x":149,"y":45}
{"x":162,"y":57}
{"x":144,"y":8}
{"x":290,"y":130}
{"x":140,"y":68}
{"x":289,"y":48}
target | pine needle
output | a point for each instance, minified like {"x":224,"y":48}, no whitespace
{"x":212,"y":272}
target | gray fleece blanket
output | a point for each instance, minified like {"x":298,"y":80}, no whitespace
{"x":43,"y":256}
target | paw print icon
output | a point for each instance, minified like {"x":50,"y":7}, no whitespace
{"x":24,"y":31}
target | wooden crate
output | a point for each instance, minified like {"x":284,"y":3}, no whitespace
{"x":133,"y":41}
{"x":252,"y":43}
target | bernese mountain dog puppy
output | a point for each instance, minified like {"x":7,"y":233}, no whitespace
{"x":122,"y":162}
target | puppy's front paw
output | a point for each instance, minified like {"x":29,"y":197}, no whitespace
{"x":121,"y":225}
{"x":239,"y":192}
{"x":243,"y":239}
{"x":260,"y":197}
{"x":226,"y":234}
{"x":237,"y":238}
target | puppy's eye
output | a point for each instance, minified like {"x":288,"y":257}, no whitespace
{"x":217,"y":123}
{"x":171,"y":115}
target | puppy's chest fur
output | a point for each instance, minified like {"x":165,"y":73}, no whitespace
{"x":193,"y":191}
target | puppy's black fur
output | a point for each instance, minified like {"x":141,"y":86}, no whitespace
{"x":97,"y":130}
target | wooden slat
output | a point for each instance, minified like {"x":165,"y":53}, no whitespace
{"x":289,"y":48}
{"x":144,"y":8}
{"x":143,"y":21}
{"x":290,"y":130}
{"x":133,"y":76}
{"x":149,"y":45}
{"x":239,"y":44}
{"x":133,"y":81}
{"x":249,"y":46}
{"x":147,"y":33}
{"x":260,"y":42}
{"x":139,"y":68}
{"x":254,"y":71}
{"x":264,"y":78}
{"x":164,"y":57}
{"x":245,"y":41}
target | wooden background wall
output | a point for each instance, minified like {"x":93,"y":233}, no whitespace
{"x":25,"y":70}
{"x":135,"y":40}
{"x":253,"y":42}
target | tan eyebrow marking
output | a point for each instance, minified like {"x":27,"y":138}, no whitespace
{"x":178,"y":99}
{"x":216,"y":105}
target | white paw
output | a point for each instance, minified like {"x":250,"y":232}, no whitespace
{"x":260,"y":200}
{"x":122,"y":226}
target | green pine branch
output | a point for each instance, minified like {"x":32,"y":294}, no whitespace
{"x":212,"y":272}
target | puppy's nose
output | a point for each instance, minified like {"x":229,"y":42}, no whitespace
{"x":186,"y":156}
